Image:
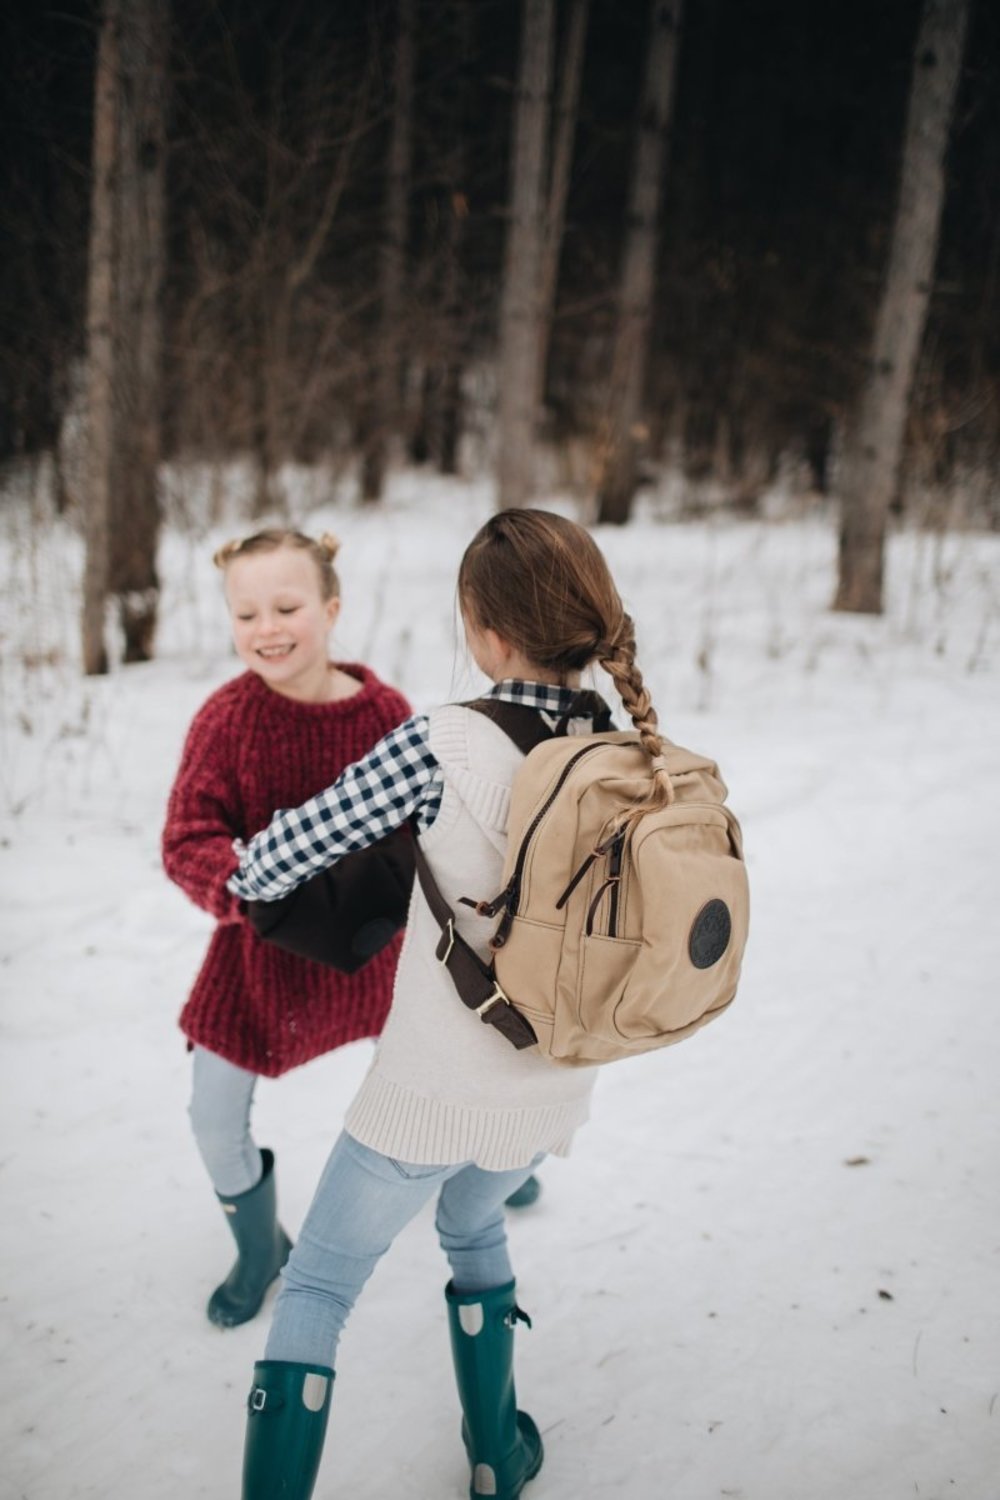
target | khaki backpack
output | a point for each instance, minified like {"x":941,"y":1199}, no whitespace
{"x":617,"y":934}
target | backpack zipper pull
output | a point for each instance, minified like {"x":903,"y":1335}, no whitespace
{"x":486,"y":908}
{"x":613,"y":847}
{"x":581,"y":872}
{"x":506,"y":921}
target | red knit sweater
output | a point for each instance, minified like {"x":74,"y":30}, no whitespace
{"x":249,"y":752}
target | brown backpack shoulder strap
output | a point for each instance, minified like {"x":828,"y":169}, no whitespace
{"x":527,"y":727}
{"x":475,"y":981}
{"x":524,"y":725}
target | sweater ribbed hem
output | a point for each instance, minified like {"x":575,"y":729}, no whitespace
{"x":432,"y":1132}
{"x":267,"y":1063}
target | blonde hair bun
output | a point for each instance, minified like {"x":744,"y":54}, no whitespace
{"x":225,"y":554}
{"x":329,"y":543}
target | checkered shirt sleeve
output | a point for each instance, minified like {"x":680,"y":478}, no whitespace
{"x":398,"y":779}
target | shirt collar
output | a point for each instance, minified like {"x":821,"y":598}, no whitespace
{"x":548,"y":696}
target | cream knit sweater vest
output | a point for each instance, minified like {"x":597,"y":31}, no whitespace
{"x":443,"y":1087}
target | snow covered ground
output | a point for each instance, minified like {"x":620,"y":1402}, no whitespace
{"x":771,"y":1269}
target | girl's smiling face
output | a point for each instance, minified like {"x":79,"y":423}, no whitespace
{"x":281,"y":621}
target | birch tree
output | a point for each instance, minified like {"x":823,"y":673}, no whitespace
{"x":138,"y":401}
{"x":384,"y":422}
{"x":519,"y":308}
{"x":124,"y":333}
{"x":100,"y":343}
{"x":622,"y":429}
{"x":871,"y":462}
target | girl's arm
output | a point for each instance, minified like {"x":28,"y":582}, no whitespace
{"x":202,"y":819}
{"x":396,"y":779}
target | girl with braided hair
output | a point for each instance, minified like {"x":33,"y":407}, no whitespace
{"x":448,"y":1108}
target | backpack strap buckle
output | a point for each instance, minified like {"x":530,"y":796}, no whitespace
{"x":497,"y":998}
{"x":449,"y":933}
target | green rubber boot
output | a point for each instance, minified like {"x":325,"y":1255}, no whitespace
{"x":503,"y":1444}
{"x":262,"y":1248}
{"x":528,"y":1193}
{"x":287,"y":1413}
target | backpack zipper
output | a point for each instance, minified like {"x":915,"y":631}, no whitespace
{"x":511,"y":894}
{"x":609,"y":886}
{"x":615,"y":876}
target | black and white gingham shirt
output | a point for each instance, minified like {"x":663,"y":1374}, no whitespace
{"x":400,"y":778}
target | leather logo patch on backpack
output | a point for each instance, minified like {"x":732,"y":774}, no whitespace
{"x":710,"y":933}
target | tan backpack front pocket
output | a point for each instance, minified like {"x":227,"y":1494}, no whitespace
{"x":606,"y":965}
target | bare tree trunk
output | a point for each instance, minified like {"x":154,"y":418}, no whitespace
{"x":439,"y":431}
{"x":285,"y":261}
{"x":138,"y":379}
{"x":450,"y":406}
{"x":385,"y":420}
{"x":519,"y":310}
{"x":872,"y":459}
{"x":567,"y":109}
{"x":268,"y":377}
{"x":267,"y":258}
{"x":622,"y":430}
{"x":100,"y":343}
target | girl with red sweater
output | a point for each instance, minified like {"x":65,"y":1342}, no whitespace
{"x":272,"y":737}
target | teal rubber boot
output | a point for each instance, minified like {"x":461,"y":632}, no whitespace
{"x":287,"y":1412}
{"x":526,"y":1194}
{"x":262,"y":1248}
{"x":503,"y":1444}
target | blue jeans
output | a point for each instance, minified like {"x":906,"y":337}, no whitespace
{"x":363,"y":1201}
{"x":221,"y":1101}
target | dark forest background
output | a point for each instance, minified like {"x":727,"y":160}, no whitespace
{"x":782,"y":173}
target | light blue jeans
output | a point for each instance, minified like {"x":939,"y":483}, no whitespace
{"x":221,"y":1101}
{"x":363,"y":1201}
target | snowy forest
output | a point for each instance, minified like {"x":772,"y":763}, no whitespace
{"x":585,"y":244}
{"x":719,"y":279}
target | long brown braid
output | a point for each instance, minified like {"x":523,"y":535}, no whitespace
{"x":618,"y":660}
{"x":543,"y":584}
